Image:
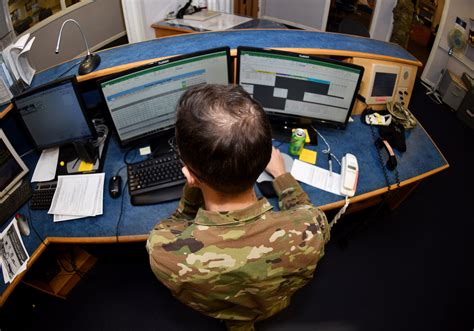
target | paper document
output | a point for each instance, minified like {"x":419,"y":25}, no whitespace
{"x":78,"y":196}
{"x":317,"y":177}
{"x":202,"y":15}
{"x":46,"y":167}
{"x":13,"y":254}
{"x":5,"y":93}
{"x":218,"y":23}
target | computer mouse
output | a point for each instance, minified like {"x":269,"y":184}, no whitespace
{"x":115,"y":186}
{"x":22,"y":224}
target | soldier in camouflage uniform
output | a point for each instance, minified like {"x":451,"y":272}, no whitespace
{"x":224,"y":252}
{"x":402,"y":20}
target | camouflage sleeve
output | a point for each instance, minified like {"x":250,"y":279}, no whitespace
{"x":291,"y":196}
{"x":189,"y":204}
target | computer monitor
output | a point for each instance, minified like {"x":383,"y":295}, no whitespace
{"x":142,"y":102}
{"x":12,"y":168}
{"x":54,"y":114}
{"x":298,"y":90}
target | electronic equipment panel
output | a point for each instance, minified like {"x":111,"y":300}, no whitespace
{"x":298,"y":88}
{"x":54,"y":114}
{"x":142,"y":101}
{"x":382,"y":83}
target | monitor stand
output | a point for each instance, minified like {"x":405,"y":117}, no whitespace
{"x":73,"y":161}
{"x":161,"y":143}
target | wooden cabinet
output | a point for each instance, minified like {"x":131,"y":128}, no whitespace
{"x":58,"y":271}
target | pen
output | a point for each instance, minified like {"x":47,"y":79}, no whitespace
{"x":330,"y":164}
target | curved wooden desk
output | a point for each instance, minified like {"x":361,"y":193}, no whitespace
{"x":421,"y":160}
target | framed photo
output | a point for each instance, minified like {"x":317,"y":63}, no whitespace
{"x":29,"y":5}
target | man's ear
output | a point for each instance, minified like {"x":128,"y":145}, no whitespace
{"x":192,"y":180}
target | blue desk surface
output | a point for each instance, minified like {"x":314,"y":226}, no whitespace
{"x":422,"y":156}
{"x":189,"y":43}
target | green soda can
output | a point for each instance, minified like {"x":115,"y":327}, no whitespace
{"x":298,"y":138}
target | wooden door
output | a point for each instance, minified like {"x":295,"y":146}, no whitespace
{"x":246,"y":8}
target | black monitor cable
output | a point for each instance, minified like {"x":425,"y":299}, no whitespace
{"x":31,"y":225}
{"x":69,"y":69}
{"x":127,"y":163}
{"x":117,"y":228}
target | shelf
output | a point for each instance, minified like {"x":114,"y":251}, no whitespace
{"x":66,"y":275}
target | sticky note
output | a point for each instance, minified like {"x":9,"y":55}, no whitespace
{"x":308,"y":156}
{"x":84,"y":166}
{"x":145,"y":150}
{"x":307,"y":141}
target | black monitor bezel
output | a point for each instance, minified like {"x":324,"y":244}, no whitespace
{"x":298,"y":120}
{"x":41,"y":88}
{"x":149,"y":135}
{"x":23,"y":168}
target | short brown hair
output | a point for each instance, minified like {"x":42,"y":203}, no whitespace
{"x":223,"y":136}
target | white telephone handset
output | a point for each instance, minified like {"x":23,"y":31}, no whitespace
{"x":349,"y":174}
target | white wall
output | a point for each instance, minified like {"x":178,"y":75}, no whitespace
{"x":439,"y":58}
{"x":101,"y":22}
{"x":309,"y":13}
{"x":156,"y":10}
{"x":382,"y":20}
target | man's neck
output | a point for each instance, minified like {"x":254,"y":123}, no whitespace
{"x":216,"y":201}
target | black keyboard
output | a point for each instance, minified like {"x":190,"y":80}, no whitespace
{"x":14,"y":201}
{"x":43,"y":195}
{"x":156,"y":180}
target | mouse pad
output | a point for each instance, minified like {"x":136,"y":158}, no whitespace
{"x":264,"y":181}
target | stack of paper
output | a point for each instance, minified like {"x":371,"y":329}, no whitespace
{"x":78,"y":196}
{"x":317,"y":177}
{"x":13,"y":254}
{"x":15,"y":56}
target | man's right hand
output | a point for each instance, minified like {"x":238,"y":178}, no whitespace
{"x":276,"y":166}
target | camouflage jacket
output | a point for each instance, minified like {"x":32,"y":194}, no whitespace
{"x":242,"y":265}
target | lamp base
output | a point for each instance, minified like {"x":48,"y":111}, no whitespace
{"x":89,"y":64}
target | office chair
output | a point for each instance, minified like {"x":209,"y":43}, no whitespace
{"x":350,"y":26}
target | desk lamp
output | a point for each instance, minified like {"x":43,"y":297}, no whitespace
{"x":91,"y":61}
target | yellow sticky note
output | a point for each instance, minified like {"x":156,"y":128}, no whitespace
{"x":308,"y":156}
{"x":307,"y":140}
{"x":84,"y":166}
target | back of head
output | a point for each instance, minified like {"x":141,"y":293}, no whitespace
{"x":223,"y":136}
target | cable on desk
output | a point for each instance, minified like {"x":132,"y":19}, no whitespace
{"x":133,"y":148}
{"x":327,"y":151}
{"x":27,"y":153}
{"x":30,"y":223}
{"x":121,"y":213}
{"x":66,"y":71}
